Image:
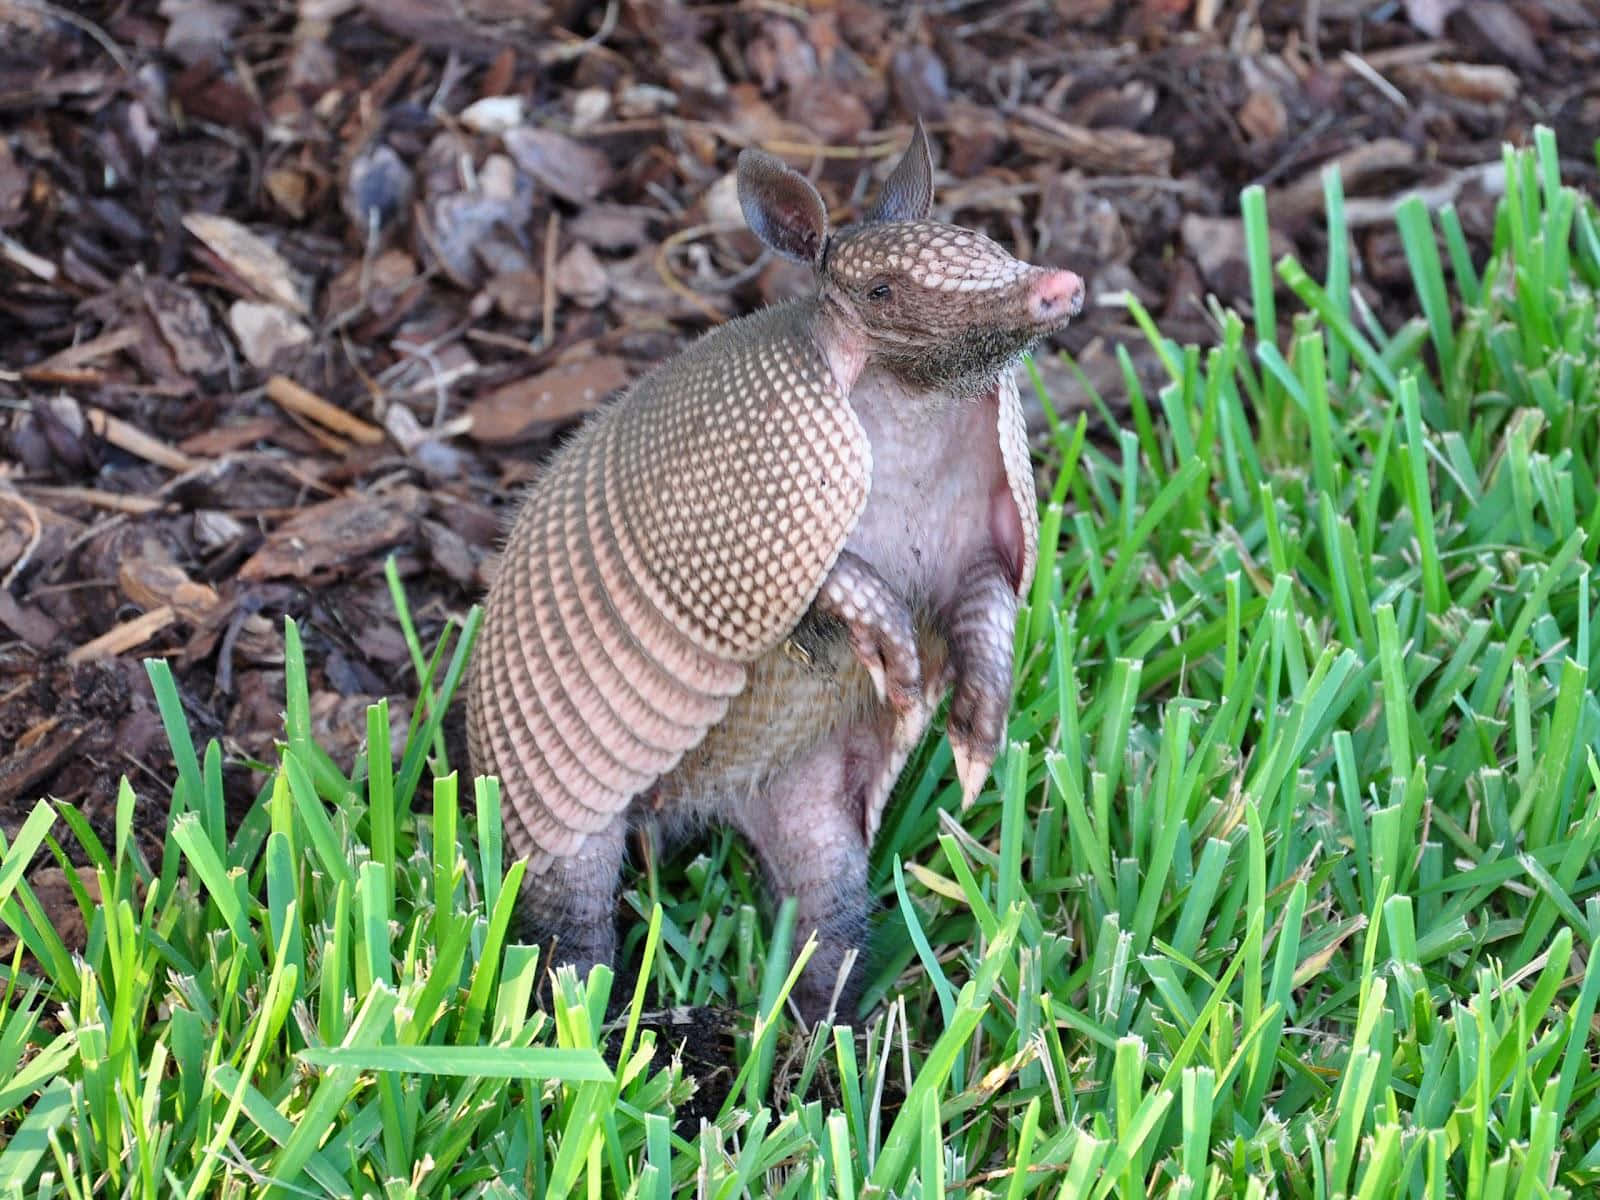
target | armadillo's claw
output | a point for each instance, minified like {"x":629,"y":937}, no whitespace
{"x":982,"y":627}
{"x":909,"y":726}
{"x":880,"y":681}
{"x":972,"y":768}
{"x":882,"y":633}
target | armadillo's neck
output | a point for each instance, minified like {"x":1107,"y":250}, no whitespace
{"x":965,"y":366}
{"x":842,"y":344}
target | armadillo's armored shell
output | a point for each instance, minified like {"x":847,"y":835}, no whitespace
{"x":1013,"y":430}
{"x":680,"y":535}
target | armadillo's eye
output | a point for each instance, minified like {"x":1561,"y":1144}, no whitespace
{"x":879,"y":292}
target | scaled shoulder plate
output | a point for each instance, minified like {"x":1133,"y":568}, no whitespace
{"x":733,"y":480}
{"x":1018,"y":460}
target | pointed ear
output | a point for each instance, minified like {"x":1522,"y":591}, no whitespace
{"x":782,"y":207}
{"x":908,"y":192}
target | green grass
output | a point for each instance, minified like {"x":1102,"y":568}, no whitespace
{"x":1287,"y":884}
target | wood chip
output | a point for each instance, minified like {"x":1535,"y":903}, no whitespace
{"x":1119,"y":151}
{"x":185,"y":324}
{"x":227,"y":439}
{"x":27,"y":622}
{"x":297,"y":400}
{"x":346,"y":530}
{"x":103,"y":346}
{"x":27,"y":259}
{"x":519,"y":409}
{"x":268,"y":335}
{"x":1479,"y":83}
{"x":135,"y":441}
{"x":251,"y":257}
{"x":573,"y":171}
{"x":151,"y":584}
{"x":115,"y":501}
{"x":21,"y":771}
{"x":125,"y":636}
{"x":1362,"y":212}
{"x":1298,"y":200}
{"x":581,"y":277}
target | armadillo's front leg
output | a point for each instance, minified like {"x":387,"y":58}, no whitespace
{"x":569,"y":908}
{"x":982,"y":625}
{"x":881,"y":630}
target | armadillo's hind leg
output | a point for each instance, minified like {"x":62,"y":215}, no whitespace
{"x":805,"y":826}
{"x":569,"y":908}
{"x":882,"y":632}
{"x":982,"y":629}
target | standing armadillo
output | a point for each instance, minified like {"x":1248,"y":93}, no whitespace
{"x":740,"y":591}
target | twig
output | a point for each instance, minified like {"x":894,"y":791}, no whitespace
{"x":28,"y":510}
{"x":75,"y":356}
{"x":83,"y":23}
{"x":1311,"y":28}
{"x":115,"y":501}
{"x":552,"y":231}
{"x":580,"y":47}
{"x":135,"y":441}
{"x":1370,"y":73}
{"x":125,"y":636}
{"x":30,"y":262}
{"x":291,"y":396}
{"x":728,"y":283}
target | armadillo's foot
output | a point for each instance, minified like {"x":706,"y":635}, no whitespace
{"x":982,"y":625}
{"x":882,"y":632}
{"x":568,"y":908}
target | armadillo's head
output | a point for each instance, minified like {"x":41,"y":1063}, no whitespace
{"x":936,"y":304}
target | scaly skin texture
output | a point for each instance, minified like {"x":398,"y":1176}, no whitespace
{"x":740,"y":592}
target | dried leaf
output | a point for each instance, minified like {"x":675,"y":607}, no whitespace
{"x":199,"y":30}
{"x":25,"y":620}
{"x":692,"y":68}
{"x":463,"y":223}
{"x":13,"y":187}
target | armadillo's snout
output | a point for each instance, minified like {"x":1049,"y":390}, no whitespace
{"x":1056,"y":297}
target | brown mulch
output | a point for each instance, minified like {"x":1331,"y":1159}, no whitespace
{"x":290,"y":287}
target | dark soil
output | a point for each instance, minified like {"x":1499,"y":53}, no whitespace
{"x":288,"y":288}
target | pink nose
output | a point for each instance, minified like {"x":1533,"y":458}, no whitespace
{"x":1057,"y":296}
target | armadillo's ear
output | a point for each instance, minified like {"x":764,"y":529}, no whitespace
{"x":908,"y":192}
{"x":782,"y":207}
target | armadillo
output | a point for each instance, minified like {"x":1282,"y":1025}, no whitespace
{"x":740,"y":591}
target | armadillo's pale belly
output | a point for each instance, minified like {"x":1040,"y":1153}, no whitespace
{"x":806,"y":692}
